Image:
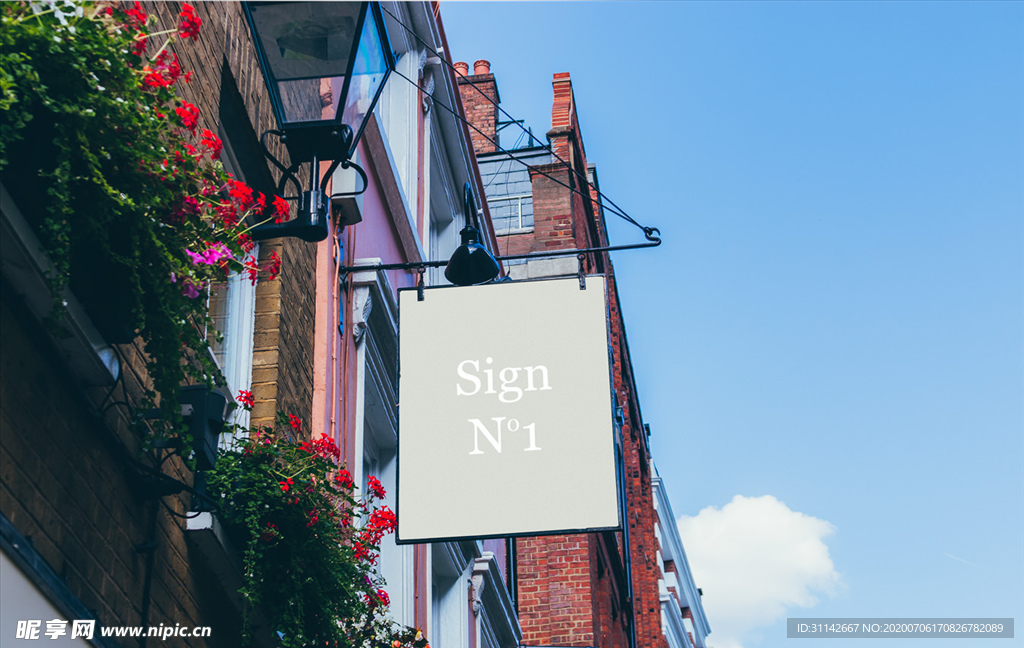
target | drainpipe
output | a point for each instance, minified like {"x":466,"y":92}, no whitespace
{"x":626,"y":548}
{"x":148,"y":547}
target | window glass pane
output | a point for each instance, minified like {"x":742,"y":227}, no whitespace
{"x":368,"y":74}
{"x":512,"y":212}
{"x":307,"y":46}
{"x":219,"y":315}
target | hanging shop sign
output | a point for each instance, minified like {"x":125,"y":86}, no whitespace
{"x":505,"y":411}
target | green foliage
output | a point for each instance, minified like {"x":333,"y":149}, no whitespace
{"x":310,"y":545}
{"x":129,"y":201}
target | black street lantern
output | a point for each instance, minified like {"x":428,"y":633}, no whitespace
{"x":325,"y":64}
{"x":471,"y":263}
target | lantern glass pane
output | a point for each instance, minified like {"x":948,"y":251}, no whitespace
{"x":307,"y":46}
{"x":368,"y":73}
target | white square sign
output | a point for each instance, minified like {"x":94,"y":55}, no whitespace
{"x":505,"y":411}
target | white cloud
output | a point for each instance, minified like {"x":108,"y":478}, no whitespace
{"x":754,"y":558}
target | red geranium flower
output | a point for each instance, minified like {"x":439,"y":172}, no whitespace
{"x":141,"y":41}
{"x":281,"y":209}
{"x":137,"y":15}
{"x":270,"y":533}
{"x":363,"y":553}
{"x":344,"y":478}
{"x":246,"y":243}
{"x":252,"y":268}
{"x":228,"y":214}
{"x":274,"y":267}
{"x":189,"y":115}
{"x":382,"y":521}
{"x":212,"y":144}
{"x":155,"y":79}
{"x":295,"y":422}
{"x":167,"y":64}
{"x":375,"y":487}
{"x":245,"y":398}
{"x":241,"y":192}
{"x":190,"y":23}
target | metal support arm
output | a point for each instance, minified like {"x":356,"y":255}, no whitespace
{"x":650,"y":233}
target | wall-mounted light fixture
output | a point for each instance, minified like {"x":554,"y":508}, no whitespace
{"x":471,"y":263}
{"x":325,"y":64}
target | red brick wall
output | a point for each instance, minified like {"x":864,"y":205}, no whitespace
{"x":63,"y":487}
{"x":478,"y":92}
{"x":642,"y":517}
{"x":565,"y":219}
{"x":555,"y":597}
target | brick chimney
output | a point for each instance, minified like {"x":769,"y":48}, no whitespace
{"x":476,"y":89}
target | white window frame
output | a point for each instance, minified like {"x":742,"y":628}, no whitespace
{"x":519,"y":228}
{"x":449,"y":597}
{"x":376,"y":431}
{"x":240,"y":323}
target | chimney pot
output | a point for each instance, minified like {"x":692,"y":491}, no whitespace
{"x":462,"y":68}
{"x":482,"y":67}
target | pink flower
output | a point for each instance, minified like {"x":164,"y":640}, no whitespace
{"x":190,"y":289}
{"x":211,"y":256}
{"x":217,"y":252}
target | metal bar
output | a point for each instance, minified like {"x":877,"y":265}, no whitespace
{"x":650,"y":232}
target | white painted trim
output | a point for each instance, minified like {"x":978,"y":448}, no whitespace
{"x":672,"y":546}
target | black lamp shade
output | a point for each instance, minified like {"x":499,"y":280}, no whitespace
{"x":325,"y":64}
{"x":471,"y":263}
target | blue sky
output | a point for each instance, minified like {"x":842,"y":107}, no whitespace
{"x":834,"y":327}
